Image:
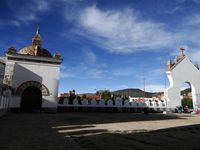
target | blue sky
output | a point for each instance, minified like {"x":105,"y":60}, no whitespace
{"x":106,"y":44}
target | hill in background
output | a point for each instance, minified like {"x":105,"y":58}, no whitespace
{"x":136,"y":93}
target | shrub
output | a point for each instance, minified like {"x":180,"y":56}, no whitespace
{"x":187,"y":102}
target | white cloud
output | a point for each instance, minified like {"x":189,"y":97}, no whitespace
{"x":90,"y":56}
{"x":83,"y":71}
{"x":65,"y":75}
{"x":196,"y":1}
{"x":95,"y":73}
{"x":10,"y":23}
{"x":173,"y":10}
{"x":122,"y":31}
{"x":158,"y":72}
{"x":124,"y":86}
{"x":62,"y":67}
{"x":26,"y":11}
{"x":195,"y":55}
{"x":71,"y":9}
{"x":123,"y":72}
{"x":154,"y":88}
{"x":66,"y":72}
{"x":193,"y":20}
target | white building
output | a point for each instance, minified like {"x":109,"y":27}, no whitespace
{"x":182,"y":70}
{"x":2,"y":71}
{"x":33,"y":75}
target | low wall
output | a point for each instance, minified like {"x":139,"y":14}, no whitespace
{"x":4,"y":102}
{"x":3,"y":105}
{"x":118,"y":105}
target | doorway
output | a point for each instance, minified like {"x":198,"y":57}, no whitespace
{"x":31,"y":100}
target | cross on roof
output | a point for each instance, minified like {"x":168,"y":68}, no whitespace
{"x":182,"y":52}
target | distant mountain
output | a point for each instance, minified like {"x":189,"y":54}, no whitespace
{"x":136,"y":93}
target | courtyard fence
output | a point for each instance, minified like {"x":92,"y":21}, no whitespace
{"x":133,"y":105}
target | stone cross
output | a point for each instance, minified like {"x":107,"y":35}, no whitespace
{"x":182,"y":52}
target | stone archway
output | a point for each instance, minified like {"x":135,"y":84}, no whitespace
{"x":31,"y":93}
{"x":186,"y":95}
{"x":182,"y":70}
{"x":31,"y":100}
{"x":23,"y":86}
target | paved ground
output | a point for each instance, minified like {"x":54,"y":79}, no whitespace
{"x":99,"y":131}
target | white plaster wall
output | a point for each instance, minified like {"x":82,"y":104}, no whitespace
{"x":185,"y":71}
{"x":47,"y":74}
{"x":2,"y":71}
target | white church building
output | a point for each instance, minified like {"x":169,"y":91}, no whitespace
{"x":33,"y":75}
{"x":182,"y":70}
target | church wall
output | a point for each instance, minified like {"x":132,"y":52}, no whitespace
{"x":47,"y":74}
{"x":185,"y":71}
{"x":2,"y":71}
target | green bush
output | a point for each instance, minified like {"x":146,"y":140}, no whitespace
{"x":106,"y":95}
{"x":187,"y":102}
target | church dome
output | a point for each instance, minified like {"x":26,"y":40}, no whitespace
{"x":30,"y":50}
{"x":36,"y":48}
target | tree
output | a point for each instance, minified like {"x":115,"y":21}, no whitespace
{"x":187,"y":102}
{"x":106,"y":95}
{"x":84,"y":96}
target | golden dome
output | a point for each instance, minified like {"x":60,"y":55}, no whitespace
{"x":36,"y":48}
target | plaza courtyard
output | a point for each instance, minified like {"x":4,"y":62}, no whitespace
{"x":99,"y":131}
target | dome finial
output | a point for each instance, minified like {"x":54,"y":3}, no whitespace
{"x":37,"y":40}
{"x":38,"y":30}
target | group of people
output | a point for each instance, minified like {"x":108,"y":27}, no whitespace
{"x":180,"y":109}
{"x":186,"y":109}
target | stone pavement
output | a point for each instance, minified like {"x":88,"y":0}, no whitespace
{"x":99,"y":131}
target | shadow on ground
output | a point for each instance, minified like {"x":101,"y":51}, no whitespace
{"x":77,"y":118}
{"x":180,"y":138}
{"x":40,"y":132}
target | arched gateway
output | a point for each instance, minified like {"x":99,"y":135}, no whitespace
{"x":180,"y":71}
{"x":31,"y":100}
{"x":31,"y":93}
{"x":41,"y":87}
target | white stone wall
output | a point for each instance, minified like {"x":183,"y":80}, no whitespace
{"x":47,"y":74}
{"x":2,"y":71}
{"x":136,"y":103}
{"x":185,"y":71}
{"x":5,"y":102}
